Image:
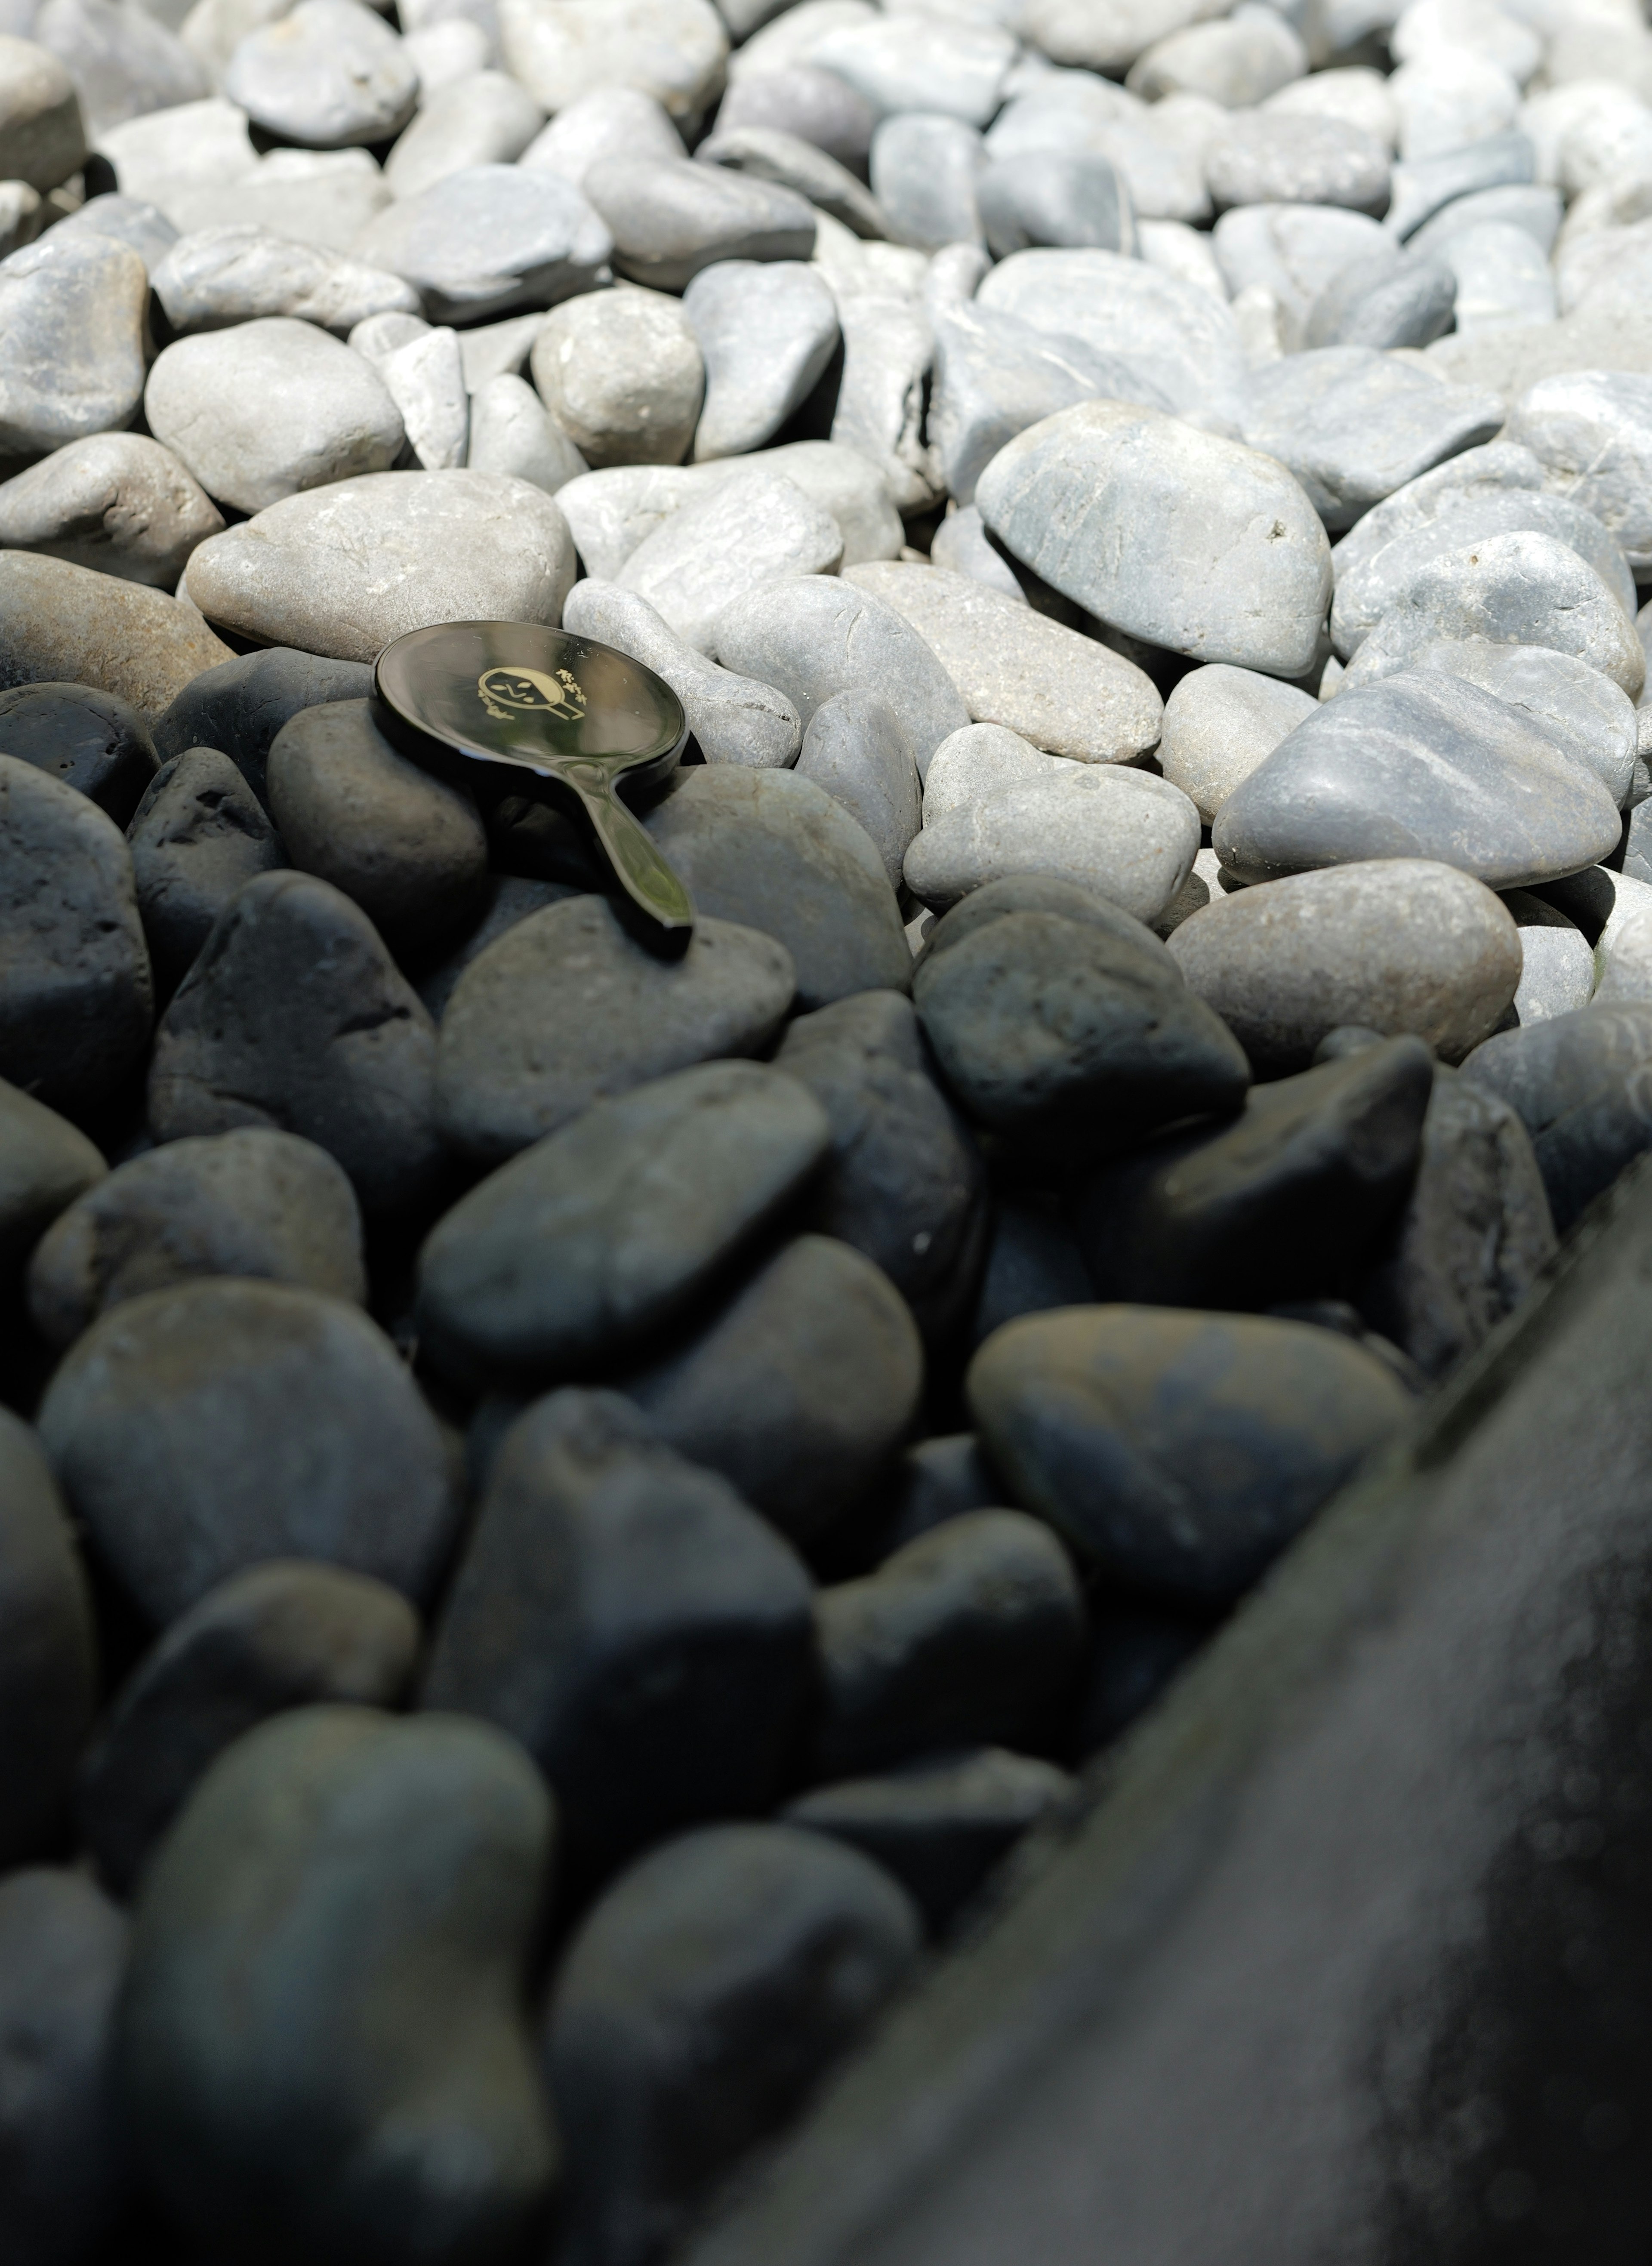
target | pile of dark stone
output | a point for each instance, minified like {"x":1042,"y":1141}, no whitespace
{"x":565,"y":1512}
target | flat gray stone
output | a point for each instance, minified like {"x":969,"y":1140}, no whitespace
{"x":1587,"y":716}
{"x":1219,"y":724}
{"x":1420,"y":765}
{"x":818,"y":636}
{"x":925,"y":169}
{"x":1592,"y":430}
{"x":117,"y":502}
{"x":512,"y":433}
{"x":1067,"y":694}
{"x":327,"y":75}
{"x":995,"y":375}
{"x":735,"y":720}
{"x":856,"y":749}
{"x":1463,"y":518}
{"x":754,"y":529}
{"x":488,"y":239}
{"x":1354,"y":425}
{"x":42,"y":133}
{"x":668,"y":219}
{"x":1291,"y":249}
{"x":484,"y":118}
{"x":1393,"y":945}
{"x":789,"y":162}
{"x":269,"y":409}
{"x":1516,"y":589}
{"x":1121,"y":306}
{"x":620,"y":372}
{"x":1557,"y":972}
{"x":343,"y":571}
{"x":71,"y":341}
{"x":674,"y":50}
{"x":219,"y":276}
{"x":1191,"y":542}
{"x":766,"y":330}
{"x":1270,"y":157}
{"x":507,"y":1075}
{"x":1126,"y":835}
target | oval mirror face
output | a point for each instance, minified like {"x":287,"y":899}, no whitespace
{"x":513,"y":692}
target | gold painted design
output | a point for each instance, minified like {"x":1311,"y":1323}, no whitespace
{"x":505,"y":692}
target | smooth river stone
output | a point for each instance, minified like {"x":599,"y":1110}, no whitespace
{"x":1291,"y":249}
{"x":1354,"y":425}
{"x":1516,"y":589}
{"x":222,"y":275}
{"x":511,"y":433}
{"x":72,"y":318}
{"x":754,"y":529}
{"x":270,"y":409}
{"x":325,"y":75}
{"x":1220,"y":723}
{"x":1268,"y":158}
{"x":818,"y":636}
{"x":1064,"y":693}
{"x":481,"y":118}
{"x":1585,"y":713}
{"x":669,"y":219}
{"x":1497,"y":469}
{"x":792,"y":163}
{"x":1174,"y":536}
{"x":1116,"y":305}
{"x":488,"y":239}
{"x":766,"y":331}
{"x":620,"y":372}
{"x":342,"y":571}
{"x":117,"y":502}
{"x":65,"y":624}
{"x":1393,"y":945}
{"x":674,"y":50}
{"x":48,"y":1677}
{"x":606,"y":122}
{"x":896,"y":62}
{"x":1591,"y":429}
{"x":735,"y":720}
{"x":1418,"y":765}
{"x":1579,"y":1084}
{"x":42,"y":137}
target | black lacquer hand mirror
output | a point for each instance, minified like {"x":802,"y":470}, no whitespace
{"x":544,"y":712}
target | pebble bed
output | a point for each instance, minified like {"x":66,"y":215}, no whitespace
{"x":563,"y":1510}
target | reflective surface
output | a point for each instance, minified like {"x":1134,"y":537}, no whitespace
{"x":531,"y":706}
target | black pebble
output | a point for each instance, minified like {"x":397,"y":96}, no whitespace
{"x":198,"y":834}
{"x":90,"y":740}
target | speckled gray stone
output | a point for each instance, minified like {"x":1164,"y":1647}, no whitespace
{"x":118,"y":502}
{"x":60,"y":623}
{"x":1391,"y":944}
{"x":1271,"y":158}
{"x":1176,"y":535}
{"x":1220,"y":723}
{"x":620,"y":372}
{"x":735,"y":720}
{"x":1420,"y":765}
{"x":766,"y":330}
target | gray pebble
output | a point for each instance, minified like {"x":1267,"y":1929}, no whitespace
{"x":1585,"y":713}
{"x":924,"y":171}
{"x":171,"y":1425}
{"x":1034,"y":1264}
{"x":64,"y":2170}
{"x":799,"y":1389}
{"x":800,"y":99}
{"x":48,"y":1667}
{"x":1422,"y":186}
{"x":1557,"y":975}
{"x":1220,"y":723}
{"x":1592,"y":430}
{"x":749,"y":531}
{"x":335,"y":1940}
{"x":642,"y":1632}
{"x":1041,"y":893}
{"x":675,"y":50}
{"x":77,"y":1002}
{"x":511,"y":432}
{"x":766,"y":330}
{"x":1394,"y":945}
{"x":1420,"y":765}
{"x":765,"y":153}
{"x":43,"y":135}
{"x":92,"y":741}
{"x":960,"y":545}
{"x":610,"y":513}
{"x":408,"y":847}
{"x":701,"y":2002}
{"x":1386,"y":302}
{"x":198,"y":835}
{"x":510,"y":898}
{"x":489,"y":239}
{"x":1537,"y":209}
{"x":1103,"y":1418}
{"x":776,"y":854}
{"x":1293,"y":251}
{"x":604,"y":122}
{"x":620,"y":372}
{"x":814,"y":638}
{"x":45,"y":1164}
{"x":327,"y":75}
{"x":124,"y":61}
{"x":897,"y":64}
{"x":424,"y":378}
{"x":295,"y":1014}
{"x":270,"y":408}
{"x":1354,"y":425}
{"x":1498,"y":469}
{"x":286,"y":1633}
{"x":1066,"y":693}
{"x":1191,"y":542}
{"x":1056,"y":197}
{"x":63,"y":623}
{"x":118,"y":502}
{"x":611,"y":1229}
{"x":887,"y":349}
{"x":856,"y":748}
{"x":962,"y":1638}
{"x":903,"y":1182}
{"x":71,"y":341}
{"x":482,"y":118}
{"x":1502,"y":277}
{"x":1578,"y":1082}
{"x":735,"y":719}
{"x":1237,"y":62}
{"x":668,"y":219}
{"x":506,"y":1076}
{"x":342,"y":571}
{"x":240,"y":705}
{"x":255,"y":1203}
{"x":218,"y":276}
{"x":1266,"y":157}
